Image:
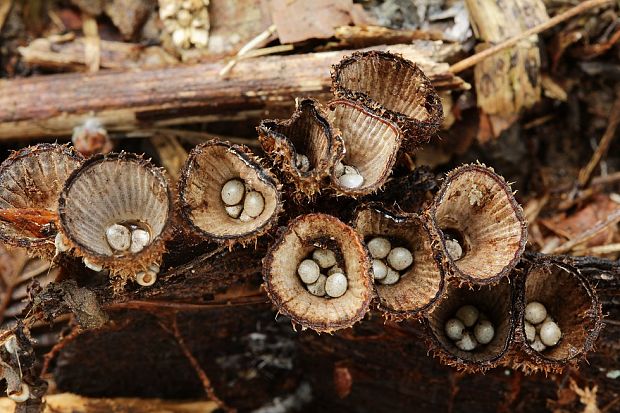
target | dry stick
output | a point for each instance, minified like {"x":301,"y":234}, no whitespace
{"x":612,"y":219}
{"x":603,"y":147}
{"x":261,"y":39}
{"x":478,"y":57}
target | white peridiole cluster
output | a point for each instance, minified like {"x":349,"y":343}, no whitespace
{"x":469,"y":329}
{"x":321,"y":274}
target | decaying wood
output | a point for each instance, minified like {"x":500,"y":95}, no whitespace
{"x":510,"y":80}
{"x":51,"y":106}
{"x":72,"y":403}
{"x":252,"y":352}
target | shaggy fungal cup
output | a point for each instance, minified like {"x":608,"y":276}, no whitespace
{"x":406,"y":267}
{"x":304,"y":283}
{"x":225,"y":195}
{"x":305,"y":147}
{"x":114,"y":211}
{"x":482,"y":228}
{"x":32,"y":178}
{"x":392,"y":87}
{"x":472,"y":329}
{"x":560,"y":318}
{"x":371,"y":144}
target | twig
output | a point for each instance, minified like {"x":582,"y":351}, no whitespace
{"x":606,"y":179}
{"x":612,"y":219}
{"x":259,"y":40}
{"x":603,"y":147}
{"x":555,"y":20}
{"x":599,"y":249}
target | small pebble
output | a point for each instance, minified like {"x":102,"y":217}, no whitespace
{"x":308,"y":271}
{"x":484,"y":332}
{"x":254,"y":204}
{"x":530,"y":332}
{"x":535,"y":312}
{"x":399,"y":258}
{"x":351,"y":181}
{"x":234,"y":211}
{"x":550,"y":333}
{"x":454,"y":329}
{"x":538,"y":345}
{"x":454,"y":250}
{"x":233,"y":192}
{"x":392,"y":277}
{"x":379,"y":247}
{"x":379,"y":269}
{"x":336,"y":285}
{"x":318,"y":287}
{"x":302,"y":163}
{"x":199,"y":37}
{"x":118,"y":237}
{"x":467,"y":342}
{"x":468,"y":314}
{"x":139,"y":239}
{"x":325,"y":258}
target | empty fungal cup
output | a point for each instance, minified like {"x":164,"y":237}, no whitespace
{"x":115,"y":212}
{"x":496,"y":303}
{"x":291,"y":295}
{"x":482,"y":228}
{"x":32,"y":178}
{"x":305,"y":146}
{"x":392,"y":87}
{"x":371,"y":145}
{"x":421,"y":283}
{"x":572,"y":304}
{"x":205,"y":201}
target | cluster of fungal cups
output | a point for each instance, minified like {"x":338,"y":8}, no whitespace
{"x":449,"y":264}
{"x":242,"y":202}
{"x":469,"y":328}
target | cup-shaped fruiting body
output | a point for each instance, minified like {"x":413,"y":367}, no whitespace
{"x":572,"y":315}
{"x":32,"y":178}
{"x":371,"y":145}
{"x":494,"y":304}
{"x":226,"y":195}
{"x":482,"y":228}
{"x":291,"y":296}
{"x":115,"y":212}
{"x":421,"y":283}
{"x":392,"y":87}
{"x":306,"y":147}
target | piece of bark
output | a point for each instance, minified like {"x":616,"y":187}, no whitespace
{"x":509,"y":81}
{"x":53,"y":105}
{"x":302,"y":20}
{"x":73,"y":403}
{"x":70,"y":56}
